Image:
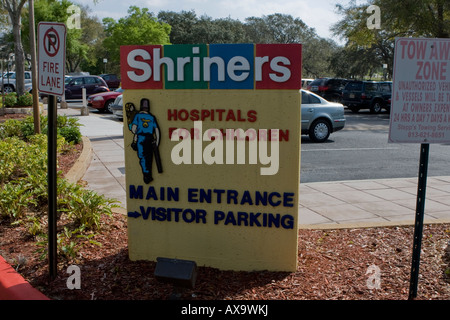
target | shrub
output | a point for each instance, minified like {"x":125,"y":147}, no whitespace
{"x":69,"y":128}
{"x":71,"y":134}
{"x":11,"y":99}
{"x":24,"y":193}
{"x":25,"y":100}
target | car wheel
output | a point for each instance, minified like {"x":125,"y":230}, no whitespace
{"x":376,"y":107}
{"x":8,"y":89}
{"x":108,"y":106}
{"x":320,"y":131}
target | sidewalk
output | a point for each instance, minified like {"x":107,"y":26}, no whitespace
{"x":340,"y":204}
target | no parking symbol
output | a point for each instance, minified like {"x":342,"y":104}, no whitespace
{"x":51,"y":57}
{"x":51,"y":42}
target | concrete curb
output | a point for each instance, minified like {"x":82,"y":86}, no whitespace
{"x":83,"y":162}
{"x":14,"y":287}
{"x":366,"y":225}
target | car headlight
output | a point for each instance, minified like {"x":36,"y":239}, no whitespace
{"x":99,"y":98}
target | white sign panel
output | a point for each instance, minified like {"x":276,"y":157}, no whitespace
{"x":51,"y":57}
{"x":420,"y":110}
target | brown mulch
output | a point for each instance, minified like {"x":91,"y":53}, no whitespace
{"x":334,"y":264}
{"x":7,"y":116}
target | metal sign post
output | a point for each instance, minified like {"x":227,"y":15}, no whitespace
{"x":420,"y":213}
{"x":51,"y":61}
{"x":52,"y":187}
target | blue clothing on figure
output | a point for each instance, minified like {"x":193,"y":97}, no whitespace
{"x":144,"y":126}
{"x":145,"y":123}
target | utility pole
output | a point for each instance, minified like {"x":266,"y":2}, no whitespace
{"x":34,"y":72}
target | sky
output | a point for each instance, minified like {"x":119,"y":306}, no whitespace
{"x":317,"y":14}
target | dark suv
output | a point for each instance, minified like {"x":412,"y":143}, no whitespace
{"x":371,"y":95}
{"x":92,"y":84}
{"x":112,"y":80}
{"x":328,"y":88}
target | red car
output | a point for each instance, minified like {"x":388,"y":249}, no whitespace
{"x":104,"y":100}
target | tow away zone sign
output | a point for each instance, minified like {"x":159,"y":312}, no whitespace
{"x":420,"y":113}
{"x":421,"y":91}
{"x":51,"y":57}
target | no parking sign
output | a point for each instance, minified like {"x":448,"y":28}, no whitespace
{"x":51,"y":57}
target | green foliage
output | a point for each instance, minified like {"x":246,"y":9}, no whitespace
{"x":11,"y":99}
{"x":85,"y":207}
{"x":366,"y":50}
{"x":71,"y":134}
{"x":25,"y":100}
{"x":68,"y":128}
{"x":24,"y":188}
{"x":139,"y":27}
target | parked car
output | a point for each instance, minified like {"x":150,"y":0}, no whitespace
{"x":75,"y":85}
{"x":306,"y":83}
{"x":328,"y":88}
{"x":320,"y":117}
{"x":372,"y":95}
{"x":112,"y":80}
{"x":104,"y":100}
{"x":117,"y":107}
{"x":9,"y":81}
{"x":29,"y":87}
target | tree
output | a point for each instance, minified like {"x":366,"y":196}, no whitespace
{"x":14,"y":9}
{"x":187,"y":28}
{"x":57,"y":11}
{"x":283,"y":28}
{"x":402,"y":18}
{"x":139,"y":27}
{"x":425,"y":18}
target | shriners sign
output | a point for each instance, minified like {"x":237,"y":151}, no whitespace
{"x":212,"y":153}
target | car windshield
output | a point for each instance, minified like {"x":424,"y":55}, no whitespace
{"x":316,"y":82}
{"x":118,"y":100}
{"x":371,"y":87}
{"x":353,"y":86}
{"x":10,"y":75}
{"x":67,"y":80}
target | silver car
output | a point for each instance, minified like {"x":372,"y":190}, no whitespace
{"x":320,"y":117}
{"x":117,"y":107}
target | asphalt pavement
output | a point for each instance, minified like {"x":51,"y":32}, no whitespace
{"x":323,"y":205}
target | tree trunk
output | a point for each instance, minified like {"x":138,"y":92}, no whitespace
{"x":19,"y":56}
{"x":14,"y":10}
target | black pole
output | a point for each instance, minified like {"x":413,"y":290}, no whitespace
{"x":52,"y":187}
{"x":420,"y":213}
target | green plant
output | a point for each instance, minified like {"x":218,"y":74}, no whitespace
{"x":86,"y":207}
{"x":24,"y":188}
{"x":34,"y":225}
{"x":11,"y":99}
{"x":71,"y":134}
{"x":14,"y":200}
{"x":10,"y":128}
{"x":25,"y":100}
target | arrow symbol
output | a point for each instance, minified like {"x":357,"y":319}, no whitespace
{"x":134,"y":214}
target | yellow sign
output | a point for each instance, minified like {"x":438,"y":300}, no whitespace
{"x":212,"y":154}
